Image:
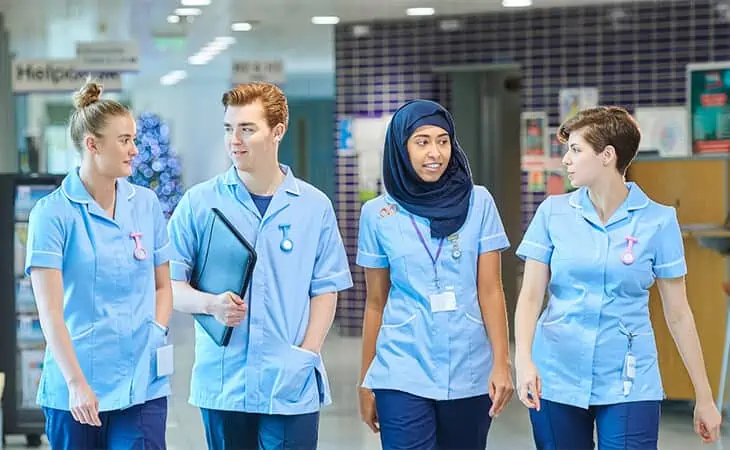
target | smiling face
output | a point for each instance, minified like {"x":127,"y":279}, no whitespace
{"x":429,"y":149}
{"x":112,"y":150}
{"x":249,"y":139}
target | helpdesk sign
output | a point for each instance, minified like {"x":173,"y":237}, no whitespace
{"x":33,"y":76}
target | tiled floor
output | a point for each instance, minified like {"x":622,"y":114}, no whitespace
{"x":340,"y":427}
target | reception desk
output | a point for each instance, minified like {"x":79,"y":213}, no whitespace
{"x":700,"y":190}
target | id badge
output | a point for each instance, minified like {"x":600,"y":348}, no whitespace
{"x":630,"y":364}
{"x":629,"y":372}
{"x":165,"y":361}
{"x":443,"y":301}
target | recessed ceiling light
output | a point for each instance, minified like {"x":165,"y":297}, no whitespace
{"x":516,"y":3}
{"x":360,"y":30}
{"x":450,"y":25}
{"x":172,"y":18}
{"x":325,"y":20}
{"x":195,"y":2}
{"x":420,"y":11}
{"x":241,"y":26}
{"x":188,"y":11}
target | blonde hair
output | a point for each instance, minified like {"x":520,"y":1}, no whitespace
{"x":91,"y":113}
{"x":271,"y":97}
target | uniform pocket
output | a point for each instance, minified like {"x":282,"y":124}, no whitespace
{"x":83,"y":345}
{"x":158,"y":339}
{"x":480,"y":349}
{"x":562,"y":305}
{"x":473,"y":319}
{"x":399,"y":324}
{"x":296,"y":381}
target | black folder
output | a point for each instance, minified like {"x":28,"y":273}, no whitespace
{"x":225,"y":262}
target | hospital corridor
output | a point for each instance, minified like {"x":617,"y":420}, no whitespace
{"x":340,"y":426}
{"x":365,"y":224}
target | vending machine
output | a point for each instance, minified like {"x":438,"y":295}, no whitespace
{"x":22,"y":345}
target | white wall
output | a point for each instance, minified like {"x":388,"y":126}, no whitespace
{"x":49,"y":29}
{"x":194,"y":113}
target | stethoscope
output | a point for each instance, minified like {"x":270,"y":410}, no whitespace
{"x":140,"y":254}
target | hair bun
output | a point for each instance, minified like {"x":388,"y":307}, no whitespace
{"x":88,"y":94}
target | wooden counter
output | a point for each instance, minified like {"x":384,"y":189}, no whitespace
{"x":698,"y":188}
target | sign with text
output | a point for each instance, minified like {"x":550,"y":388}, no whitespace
{"x":33,"y":76}
{"x":708,"y":99}
{"x":103,"y":56}
{"x":258,"y":71}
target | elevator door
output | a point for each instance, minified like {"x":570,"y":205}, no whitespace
{"x":488,"y":128}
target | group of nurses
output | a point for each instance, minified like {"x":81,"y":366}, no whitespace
{"x":435,"y":358}
{"x":591,"y":359}
{"x":265,"y":389}
{"x":97,"y":256}
{"x":434,"y":326}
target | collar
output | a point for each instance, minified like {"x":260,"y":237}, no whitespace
{"x":636,"y":199}
{"x":290,"y":183}
{"x":73,"y":188}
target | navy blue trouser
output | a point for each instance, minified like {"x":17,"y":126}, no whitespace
{"x":230,"y":430}
{"x":409,"y":422}
{"x":623,"y":426}
{"x":140,"y":427}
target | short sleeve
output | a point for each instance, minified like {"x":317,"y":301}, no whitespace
{"x":370,"y":253}
{"x":669,"y":259}
{"x":45,"y":240}
{"x":536,"y":243}
{"x":181,"y":230}
{"x":492,"y":237}
{"x":331,"y":267}
{"x":163,"y":247}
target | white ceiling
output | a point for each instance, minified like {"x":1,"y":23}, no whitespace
{"x":273,"y":11}
{"x":282,"y":28}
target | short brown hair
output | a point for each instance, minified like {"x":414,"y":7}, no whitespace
{"x":271,"y":97}
{"x":91,"y":112}
{"x":604,"y":126}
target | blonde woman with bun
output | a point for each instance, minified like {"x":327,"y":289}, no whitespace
{"x":97,"y":257}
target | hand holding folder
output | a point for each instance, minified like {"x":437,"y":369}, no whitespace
{"x":224,"y":264}
{"x":228,"y":309}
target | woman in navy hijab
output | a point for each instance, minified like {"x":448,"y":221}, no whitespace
{"x":435,"y":357}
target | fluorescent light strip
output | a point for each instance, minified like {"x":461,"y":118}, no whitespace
{"x":173,"y":77}
{"x":325,"y":20}
{"x":516,"y":3}
{"x":241,"y":26}
{"x":188,"y":11}
{"x":195,"y":2}
{"x":420,"y":11}
{"x":211,"y":50}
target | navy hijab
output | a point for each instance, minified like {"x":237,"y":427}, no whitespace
{"x":446,"y":201}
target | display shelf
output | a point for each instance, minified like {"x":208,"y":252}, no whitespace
{"x":23,"y":349}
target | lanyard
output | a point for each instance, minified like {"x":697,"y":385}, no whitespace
{"x":434,"y":260}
